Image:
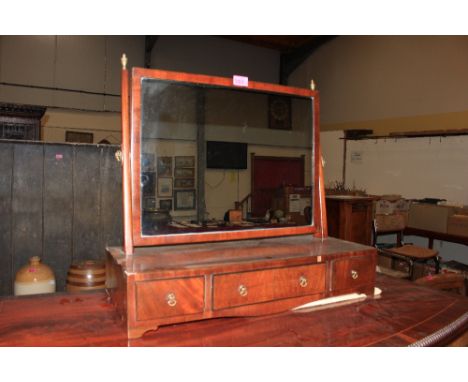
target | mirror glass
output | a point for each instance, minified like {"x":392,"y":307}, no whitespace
{"x":215,"y":159}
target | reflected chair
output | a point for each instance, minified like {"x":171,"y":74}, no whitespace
{"x":394,"y":225}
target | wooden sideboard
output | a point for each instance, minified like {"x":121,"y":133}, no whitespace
{"x":405,"y":314}
{"x":350,"y":218}
{"x":172,"y":284}
{"x":159,"y":277}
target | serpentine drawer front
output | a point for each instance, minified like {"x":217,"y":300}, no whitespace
{"x":352,"y":272}
{"x":167,"y":298}
{"x":236,"y":289}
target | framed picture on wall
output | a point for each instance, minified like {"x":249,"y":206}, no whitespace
{"x":164,"y":166}
{"x":185,"y":161}
{"x":184,"y":183}
{"x":78,"y":137}
{"x":149,"y":204}
{"x":184,"y":199}
{"x":165,"y":204}
{"x":184,"y":172}
{"x":164,"y":187}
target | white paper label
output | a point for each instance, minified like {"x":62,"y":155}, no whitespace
{"x":240,"y":81}
{"x":356,"y":156}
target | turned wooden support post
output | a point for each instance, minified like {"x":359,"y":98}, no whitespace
{"x":126,"y":176}
{"x":320,"y":210}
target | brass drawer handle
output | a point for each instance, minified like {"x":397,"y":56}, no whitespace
{"x":242,"y":290}
{"x":354,"y":274}
{"x":302,"y":281}
{"x":171,"y":299}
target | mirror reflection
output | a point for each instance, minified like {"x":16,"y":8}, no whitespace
{"x":216,"y":159}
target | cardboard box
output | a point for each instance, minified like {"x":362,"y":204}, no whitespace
{"x":430,"y":217}
{"x":401,"y":266}
{"x":422,"y":270}
{"x":390,"y":204}
{"x":458,"y":225}
{"x":402,"y":205}
{"x":391,"y":222}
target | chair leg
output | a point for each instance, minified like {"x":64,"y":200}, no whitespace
{"x":411,"y":269}
{"x":437,"y":264}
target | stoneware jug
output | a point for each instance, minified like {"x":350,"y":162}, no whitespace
{"x":86,"y":275}
{"x":34,"y":278}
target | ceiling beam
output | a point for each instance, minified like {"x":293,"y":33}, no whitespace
{"x":149,"y":45}
{"x":290,"y":61}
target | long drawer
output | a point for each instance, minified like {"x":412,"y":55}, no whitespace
{"x":167,"y":298}
{"x":243,"y":288}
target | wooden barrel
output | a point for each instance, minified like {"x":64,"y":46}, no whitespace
{"x":86,"y":275}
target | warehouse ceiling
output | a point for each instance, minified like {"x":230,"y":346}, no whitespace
{"x":284,"y":44}
{"x":293,"y":49}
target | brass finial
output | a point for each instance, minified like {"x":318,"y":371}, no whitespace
{"x":118,"y":155}
{"x":124,"y":60}
{"x":312,"y":85}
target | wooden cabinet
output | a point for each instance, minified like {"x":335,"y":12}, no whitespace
{"x":166,"y":285}
{"x":163,"y":276}
{"x":350,"y":218}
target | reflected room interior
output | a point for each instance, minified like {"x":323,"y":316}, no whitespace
{"x":215,"y":159}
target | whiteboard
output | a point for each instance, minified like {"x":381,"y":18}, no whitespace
{"x":415,"y":168}
{"x":332,"y":152}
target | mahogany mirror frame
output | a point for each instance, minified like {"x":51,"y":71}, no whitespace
{"x":131,"y":150}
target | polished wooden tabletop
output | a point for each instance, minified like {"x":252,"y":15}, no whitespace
{"x":405,"y":314}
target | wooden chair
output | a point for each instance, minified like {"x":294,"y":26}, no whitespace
{"x":395,"y":224}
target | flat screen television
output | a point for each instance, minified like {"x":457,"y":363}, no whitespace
{"x":226,"y":155}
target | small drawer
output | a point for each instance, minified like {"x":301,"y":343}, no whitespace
{"x":353,"y":272}
{"x":167,"y":298}
{"x":236,"y":289}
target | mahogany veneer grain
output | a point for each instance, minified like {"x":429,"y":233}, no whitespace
{"x":404,"y":314}
{"x":205,"y":281}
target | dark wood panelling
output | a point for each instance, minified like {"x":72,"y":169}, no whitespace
{"x":111,"y":200}
{"x":58,"y":210}
{"x":27,"y":203}
{"x":62,"y":202}
{"x":86,"y":201}
{"x":6,"y":178}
